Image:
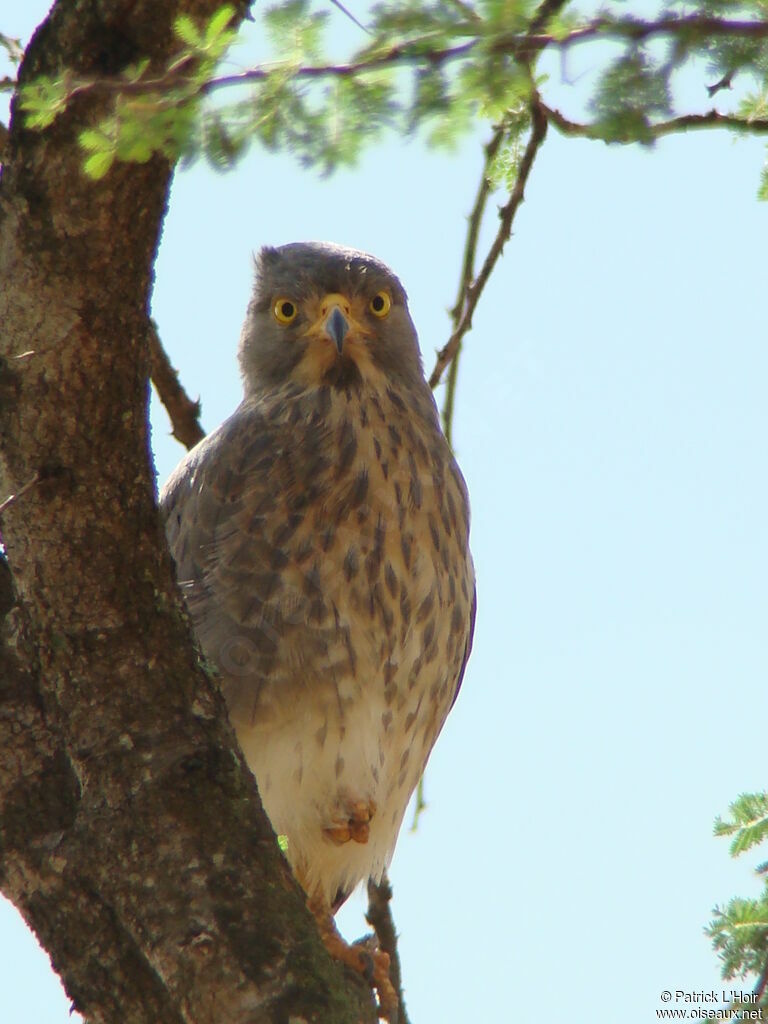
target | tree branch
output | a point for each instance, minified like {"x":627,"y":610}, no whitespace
{"x":379,"y":916}
{"x":183,"y":412}
{"x":419,"y":51}
{"x":506,"y":219}
{"x":639,"y":30}
{"x":684,"y":123}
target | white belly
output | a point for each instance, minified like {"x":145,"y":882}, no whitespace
{"x":306,"y":786}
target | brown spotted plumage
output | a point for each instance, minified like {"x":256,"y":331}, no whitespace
{"x":321,"y":540}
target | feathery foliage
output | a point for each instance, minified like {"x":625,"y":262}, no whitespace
{"x":739,"y":931}
{"x":434,"y":68}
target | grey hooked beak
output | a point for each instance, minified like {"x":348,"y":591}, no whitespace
{"x":337,"y":327}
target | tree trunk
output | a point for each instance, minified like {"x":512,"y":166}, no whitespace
{"x":131,"y":834}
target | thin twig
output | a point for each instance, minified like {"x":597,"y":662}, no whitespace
{"x":20,"y":493}
{"x":421,"y":803}
{"x":637,"y":30}
{"x":449,"y":403}
{"x":379,"y":917}
{"x":350,"y":15}
{"x":467,"y":274}
{"x":411,"y":51}
{"x":726,"y":82}
{"x":184,"y":413}
{"x":686,"y":122}
{"x":506,"y":219}
{"x":475,"y":220}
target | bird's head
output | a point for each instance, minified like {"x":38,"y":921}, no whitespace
{"x":322,"y":315}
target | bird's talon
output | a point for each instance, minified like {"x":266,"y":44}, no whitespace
{"x":356,"y":825}
{"x":373,"y":965}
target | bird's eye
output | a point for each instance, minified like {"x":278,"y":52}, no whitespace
{"x":380,"y":304}
{"x":285,"y":311}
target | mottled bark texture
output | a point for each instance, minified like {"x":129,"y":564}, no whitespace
{"x":131,"y":836}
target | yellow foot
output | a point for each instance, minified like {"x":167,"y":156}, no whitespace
{"x":372,"y":964}
{"x":356,"y":825}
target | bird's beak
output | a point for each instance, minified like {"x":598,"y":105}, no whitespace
{"x":335,"y":322}
{"x":337,"y":327}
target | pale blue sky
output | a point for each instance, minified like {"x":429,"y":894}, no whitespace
{"x":611,"y":422}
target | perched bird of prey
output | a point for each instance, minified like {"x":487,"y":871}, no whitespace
{"x":320,"y":537}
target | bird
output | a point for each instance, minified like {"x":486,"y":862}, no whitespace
{"x":321,"y":541}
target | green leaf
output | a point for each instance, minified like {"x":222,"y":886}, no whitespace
{"x":207,"y":44}
{"x":187,"y":31}
{"x":503,"y":169}
{"x":750,"y":822}
{"x":43,"y":100}
{"x":754,"y":106}
{"x":95,"y":141}
{"x":762,"y":191}
{"x":218,"y":24}
{"x":98,"y":164}
{"x":100,"y":144}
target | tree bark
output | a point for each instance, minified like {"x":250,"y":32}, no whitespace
{"x":131,"y":834}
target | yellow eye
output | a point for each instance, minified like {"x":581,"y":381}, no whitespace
{"x":380,"y":304}
{"x":284,"y":310}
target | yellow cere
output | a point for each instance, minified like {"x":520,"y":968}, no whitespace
{"x":380,"y":304}
{"x":284,"y":310}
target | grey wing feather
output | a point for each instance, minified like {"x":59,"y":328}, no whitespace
{"x":214,"y":505}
